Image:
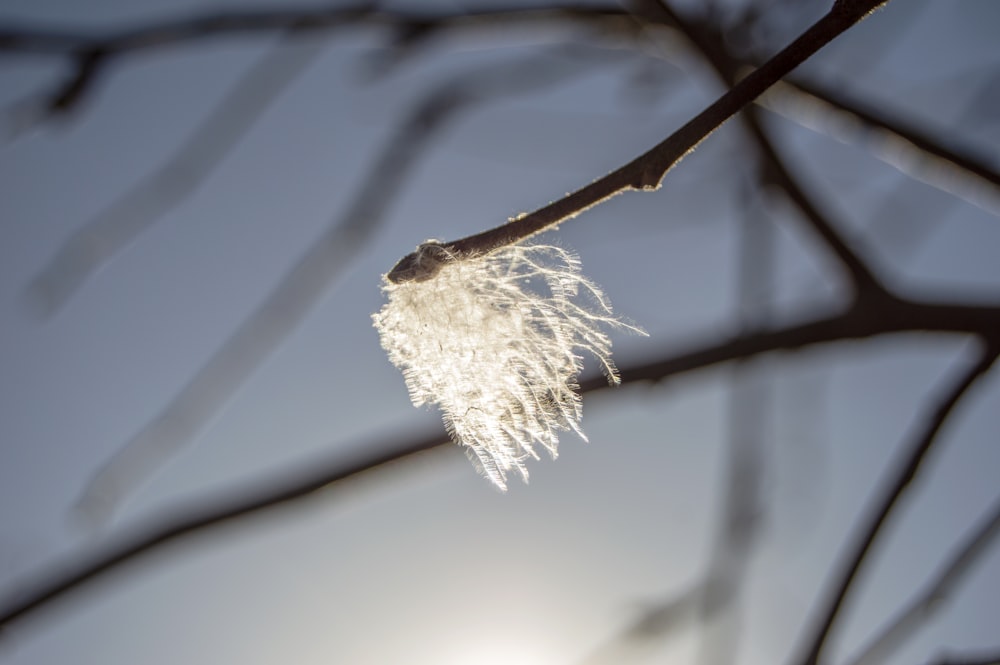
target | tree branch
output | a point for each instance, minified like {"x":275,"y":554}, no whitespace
{"x":981,"y":659}
{"x":90,"y":54}
{"x":920,"y":610}
{"x":901,"y":473}
{"x":872,"y":117}
{"x":647,"y":170}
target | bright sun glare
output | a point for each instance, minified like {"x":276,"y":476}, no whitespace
{"x":498,"y":655}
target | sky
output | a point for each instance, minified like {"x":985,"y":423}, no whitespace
{"x":426,"y":562}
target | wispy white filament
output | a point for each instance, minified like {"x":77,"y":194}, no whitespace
{"x":494,"y":341}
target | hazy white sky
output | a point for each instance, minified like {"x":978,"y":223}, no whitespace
{"x":427,"y":563}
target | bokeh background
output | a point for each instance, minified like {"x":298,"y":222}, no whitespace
{"x":424,"y":562}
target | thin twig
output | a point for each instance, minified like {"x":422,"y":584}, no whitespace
{"x":743,"y":508}
{"x":647,"y":171}
{"x":142,"y":205}
{"x":920,"y":610}
{"x":713,"y":49}
{"x":901,"y":473}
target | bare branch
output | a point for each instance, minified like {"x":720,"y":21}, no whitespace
{"x":648,"y":170}
{"x":864,"y":320}
{"x":901,"y":473}
{"x":935,"y":593}
{"x":138,"y":208}
{"x":743,"y":510}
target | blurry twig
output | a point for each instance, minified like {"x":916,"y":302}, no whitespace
{"x":293,"y":297}
{"x":900,"y":474}
{"x":915,"y":152}
{"x":654,"y":620}
{"x":138,"y":208}
{"x":981,"y":659}
{"x":743,"y":506}
{"x":714,"y":600}
{"x":934,"y":594}
{"x":90,"y":54}
{"x":956,"y":169}
{"x":205,"y":515}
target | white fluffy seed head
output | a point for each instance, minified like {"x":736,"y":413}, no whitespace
{"x":493,"y":340}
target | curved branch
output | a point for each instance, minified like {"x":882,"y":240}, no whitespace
{"x":143,"y":204}
{"x":901,"y":474}
{"x":647,"y":171}
{"x":919,"y":610}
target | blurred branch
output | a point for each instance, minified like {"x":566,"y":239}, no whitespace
{"x":294,"y":296}
{"x":41,"y":41}
{"x":955,"y":169}
{"x":935,"y":593}
{"x":962,"y":157}
{"x":654,"y":620}
{"x":900,"y":474}
{"x":712,"y":47}
{"x":714,"y":600}
{"x":983,"y":659}
{"x":139,"y":207}
{"x":208,"y":514}
{"x":914,"y":151}
{"x":200,"y":516}
{"x":743,"y":508}
{"x":91,"y":54}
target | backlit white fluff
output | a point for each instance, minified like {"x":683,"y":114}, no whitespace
{"x":494,"y":341}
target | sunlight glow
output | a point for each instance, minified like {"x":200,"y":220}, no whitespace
{"x":505,"y":654}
